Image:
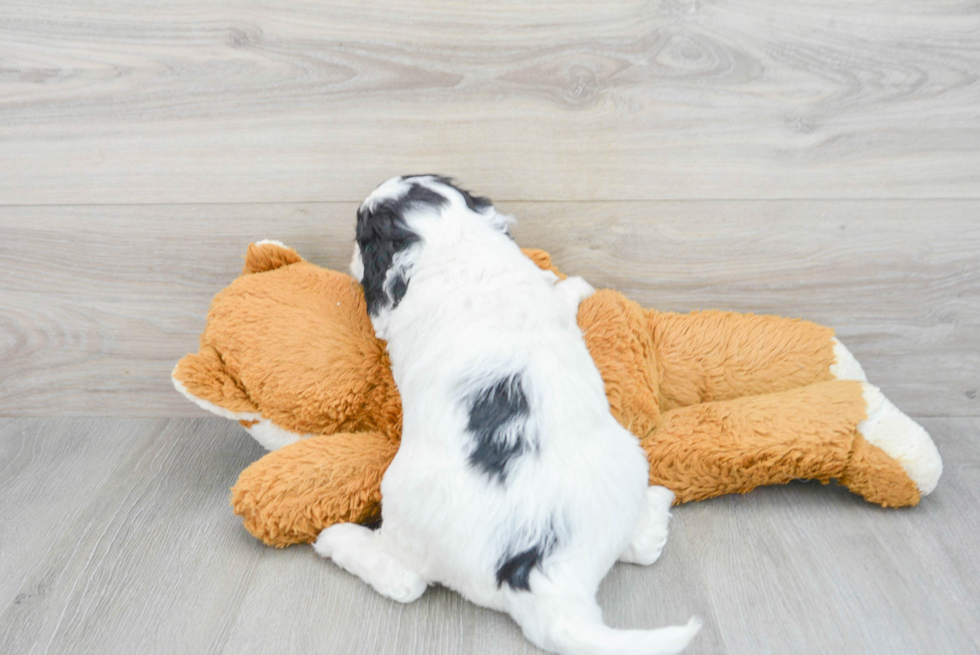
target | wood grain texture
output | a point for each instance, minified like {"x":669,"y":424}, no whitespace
{"x":98,"y":303}
{"x":117,"y":538}
{"x":109,"y":102}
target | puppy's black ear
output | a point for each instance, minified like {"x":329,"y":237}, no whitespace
{"x":382,"y":233}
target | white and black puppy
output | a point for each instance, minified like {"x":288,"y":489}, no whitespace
{"x":513,"y":484}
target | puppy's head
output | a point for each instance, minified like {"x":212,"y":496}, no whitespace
{"x":388,"y":232}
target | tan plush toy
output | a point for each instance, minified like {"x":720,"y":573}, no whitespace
{"x":721,"y":402}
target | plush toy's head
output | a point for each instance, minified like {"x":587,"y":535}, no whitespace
{"x":286,"y":315}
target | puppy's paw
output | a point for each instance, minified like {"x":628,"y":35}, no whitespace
{"x":574,"y":290}
{"x":644,"y":551}
{"x":550,"y":276}
{"x":405,"y":586}
{"x":650,"y":535}
{"x":336,"y":538}
{"x":357,"y":550}
{"x":659,"y":499}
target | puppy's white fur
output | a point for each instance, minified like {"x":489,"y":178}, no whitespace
{"x":484,"y":345}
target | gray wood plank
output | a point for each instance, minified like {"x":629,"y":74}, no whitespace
{"x":134,"y":549}
{"x":50,"y":470}
{"x":98,"y":303}
{"x":122,"y":540}
{"x":349,"y":617}
{"x":106,"y":102}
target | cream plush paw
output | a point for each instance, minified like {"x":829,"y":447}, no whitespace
{"x":650,"y":535}
{"x":845,"y":366}
{"x":901,"y":438}
{"x":271,"y":436}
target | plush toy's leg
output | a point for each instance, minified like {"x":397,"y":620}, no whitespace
{"x":290,"y":495}
{"x":788,"y":352}
{"x":361,"y":551}
{"x":713,"y":355}
{"x":817,"y":432}
{"x":650,"y":535}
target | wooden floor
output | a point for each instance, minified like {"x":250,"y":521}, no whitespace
{"x":117,"y":537}
{"x":817,"y":158}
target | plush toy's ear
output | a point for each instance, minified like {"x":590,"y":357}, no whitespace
{"x":268,"y":255}
{"x":205,"y":381}
{"x":543,"y":260}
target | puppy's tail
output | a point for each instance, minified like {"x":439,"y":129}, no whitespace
{"x":574,"y":637}
{"x":583,"y":633}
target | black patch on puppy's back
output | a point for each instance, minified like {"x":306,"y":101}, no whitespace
{"x":382,"y":233}
{"x":498,"y":423}
{"x":515,"y":568}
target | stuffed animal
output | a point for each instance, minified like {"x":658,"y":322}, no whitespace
{"x":721,"y":402}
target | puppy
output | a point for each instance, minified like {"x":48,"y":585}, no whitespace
{"x":513,"y":485}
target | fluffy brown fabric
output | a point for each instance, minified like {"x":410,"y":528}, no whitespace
{"x":293,"y":341}
{"x":291,"y":494}
{"x":809,"y":433}
{"x":721,"y":402}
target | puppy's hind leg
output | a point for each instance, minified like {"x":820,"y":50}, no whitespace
{"x":360,"y":551}
{"x":650,"y":534}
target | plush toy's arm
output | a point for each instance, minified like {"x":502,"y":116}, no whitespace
{"x":204,"y":380}
{"x":810,"y":433}
{"x":290,"y":495}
